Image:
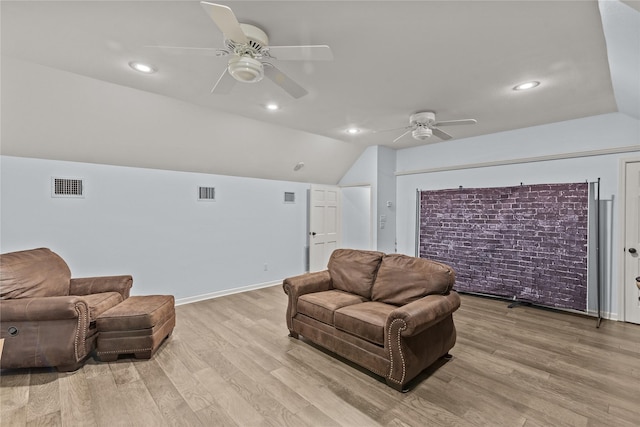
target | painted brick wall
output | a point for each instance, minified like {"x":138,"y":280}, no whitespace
{"x":527,"y":241}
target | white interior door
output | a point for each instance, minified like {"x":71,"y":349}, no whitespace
{"x":632,"y":243}
{"x":324,"y":225}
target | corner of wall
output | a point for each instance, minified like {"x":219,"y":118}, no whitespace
{"x":386,"y":201}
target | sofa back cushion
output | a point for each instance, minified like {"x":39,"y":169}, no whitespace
{"x":33,"y":273}
{"x":354,"y":271}
{"x":402,"y":279}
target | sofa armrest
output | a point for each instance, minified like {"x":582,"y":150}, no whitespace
{"x":307,"y":283}
{"x":43,"y":308}
{"x":304,"y":284}
{"x":96,"y":285}
{"x":420,"y":315}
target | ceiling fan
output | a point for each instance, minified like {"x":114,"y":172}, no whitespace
{"x":423,"y":124}
{"x":249,"y":48}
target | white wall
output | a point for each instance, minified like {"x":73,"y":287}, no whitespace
{"x":356,"y":218}
{"x":376,"y":167}
{"x":148,"y":223}
{"x":592,"y":133}
{"x":386,"y":200}
{"x":365,"y":172}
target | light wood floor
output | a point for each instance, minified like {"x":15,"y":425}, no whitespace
{"x":230,"y":362}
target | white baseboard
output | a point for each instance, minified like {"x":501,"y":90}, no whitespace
{"x":217,"y":294}
{"x":203,"y":297}
{"x":604,"y":314}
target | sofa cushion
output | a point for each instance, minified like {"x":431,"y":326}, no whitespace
{"x":33,"y":273}
{"x":322,"y":305}
{"x":99,"y":303}
{"x":354,"y":271}
{"x":364,"y":320}
{"x":402,"y":279}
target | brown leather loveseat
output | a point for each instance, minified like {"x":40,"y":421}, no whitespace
{"x":391,"y":314}
{"x":46,"y":317}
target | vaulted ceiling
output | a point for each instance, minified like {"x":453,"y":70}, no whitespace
{"x":460,"y":59}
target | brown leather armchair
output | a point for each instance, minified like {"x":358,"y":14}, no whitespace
{"x":46,"y":317}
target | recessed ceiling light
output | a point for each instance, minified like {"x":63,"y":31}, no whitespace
{"x":143,"y":68}
{"x":353,"y":131}
{"x":272,"y":106}
{"x":526,"y":85}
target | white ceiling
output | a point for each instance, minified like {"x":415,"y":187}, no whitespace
{"x":391,"y":58}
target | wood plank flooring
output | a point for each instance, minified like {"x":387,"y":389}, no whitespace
{"x":230,"y":362}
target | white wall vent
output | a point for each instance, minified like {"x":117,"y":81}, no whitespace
{"x":289,"y":197}
{"x":207,"y":193}
{"x":67,"y":187}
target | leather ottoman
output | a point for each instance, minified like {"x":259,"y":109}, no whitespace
{"x":137,"y":326}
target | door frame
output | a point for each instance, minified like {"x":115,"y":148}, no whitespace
{"x":622,"y":191}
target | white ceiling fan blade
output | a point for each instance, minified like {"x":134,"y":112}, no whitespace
{"x":225,"y":20}
{"x":398,"y":138}
{"x":282,"y":80}
{"x":301,"y":53}
{"x":456,"y":122}
{"x":225,"y":83}
{"x":441,"y":134}
{"x":185,"y":50}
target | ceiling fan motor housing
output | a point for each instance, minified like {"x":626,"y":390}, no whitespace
{"x":422,"y":118}
{"x":258,"y":40}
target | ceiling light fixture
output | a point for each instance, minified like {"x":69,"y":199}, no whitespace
{"x":353,"y":131}
{"x":246,"y":69}
{"x":421,"y":133}
{"x":272,"y":106}
{"x":143,"y":68}
{"x":526,"y":85}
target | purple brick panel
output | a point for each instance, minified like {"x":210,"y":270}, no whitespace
{"x":527,"y":241}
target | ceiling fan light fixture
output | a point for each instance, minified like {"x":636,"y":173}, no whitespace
{"x":421,"y":133}
{"x":246,"y":69}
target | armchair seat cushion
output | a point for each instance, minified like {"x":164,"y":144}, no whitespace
{"x":364,"y":320}
{"x":99,"y":303}
{"x":322,"y":305}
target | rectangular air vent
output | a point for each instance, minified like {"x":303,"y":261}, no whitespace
{"x":207,"y":193}
{"x":66,"y":187}
{"x":289,"y":197}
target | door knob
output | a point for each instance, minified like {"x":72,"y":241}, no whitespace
{"x":632,"y":250}
{"x":313,"y":233}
